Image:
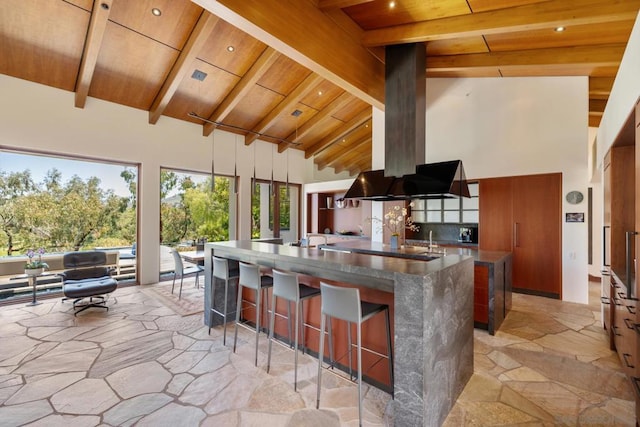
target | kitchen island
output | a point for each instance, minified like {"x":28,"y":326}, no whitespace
{"x":492,"y":273}
{"x":433,"y":315}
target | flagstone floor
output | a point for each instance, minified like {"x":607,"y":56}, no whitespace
{"x":143,"y":364}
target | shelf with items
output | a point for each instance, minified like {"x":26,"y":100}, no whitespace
{"x":330,"y":211}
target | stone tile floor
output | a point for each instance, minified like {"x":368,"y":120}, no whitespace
{"x":142,"y":364}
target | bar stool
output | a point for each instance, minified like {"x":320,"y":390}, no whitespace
{"x":286,"y":285}
{"x":345,"y":304}
{"x":251,"y":278}
{"x":221,"y":271}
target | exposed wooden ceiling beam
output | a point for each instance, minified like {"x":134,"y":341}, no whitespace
{"x":594,"y":119}
{"x":284,"y":106}
{"x":604,"y":55}
{"x":305,"y":34}
{"x":600,"y":86}
{"x":347,"y":154}
{"x":547,"y":14}
{"x":349,"y":164}
{"x":95,"y":34}
{"x":356,"y":154}
{"x":316,"y":120}
{"x":339,"y":133}
{"x":205,"y":25}
{"x":339,"y":151}
{"x":339,"y":4}
{"x":597,"y":105}
{"x":257,"y":70}
{"x":361,"y":166}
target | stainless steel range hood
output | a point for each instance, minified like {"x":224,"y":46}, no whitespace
{"x":405,"y":135}
{"x":431,"y":181}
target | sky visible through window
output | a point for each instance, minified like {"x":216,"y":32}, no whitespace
{"x":109,"y":174}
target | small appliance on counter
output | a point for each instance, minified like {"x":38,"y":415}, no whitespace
{"x":468,"y":235}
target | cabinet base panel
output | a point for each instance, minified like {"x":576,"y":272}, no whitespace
{"x":480,"y":325}
{"x":537,"y":293}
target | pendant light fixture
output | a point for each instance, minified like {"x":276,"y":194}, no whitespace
{"x":287,"y":185}
{"x":235,"y":164}
{"x":273,"y":187}
{"x":254,"y":182}
{"x":213,"y":169}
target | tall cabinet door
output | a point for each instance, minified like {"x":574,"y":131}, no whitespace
{"x":495,"y":231}
{"x":537,"y":231}
{"x":523,"y":215}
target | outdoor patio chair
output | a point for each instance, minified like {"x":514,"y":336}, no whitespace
{"x":181,"y":270}
{"x":87,"y":280}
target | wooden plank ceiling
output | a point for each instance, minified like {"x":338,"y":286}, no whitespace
{"x":302,"y":75}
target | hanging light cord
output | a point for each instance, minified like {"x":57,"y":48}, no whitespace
{"x":196,"y":116}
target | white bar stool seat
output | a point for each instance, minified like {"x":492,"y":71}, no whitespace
{"x":251,"y":278}
{"x":286,"y":286}
{"x":344,"y":303}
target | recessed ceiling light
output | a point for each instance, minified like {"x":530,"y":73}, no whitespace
{"x":231,"y":48}
{"x":156,"y":12}
{"x":319,"y":93}
{"x":559,"y":29}
{"x":392,"y":4}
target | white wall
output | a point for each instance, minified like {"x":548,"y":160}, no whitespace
{"x":514,"y":126}
{"x":519,"y":126}
{"x":43,"y":119}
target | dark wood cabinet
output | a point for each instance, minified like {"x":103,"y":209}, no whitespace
{"x":607,"y":306}
{"x":635,"y":378}
{"x":621,"y":189}
{"x":523,"y":215}
{"x":319,"y":213}
{"x":624,"y":333}
{"x":621,"y":172}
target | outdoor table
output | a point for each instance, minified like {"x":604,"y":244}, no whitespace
{"x":195,"y":257}
{"x":33,"y":281}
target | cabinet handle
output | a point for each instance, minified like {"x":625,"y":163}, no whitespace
{"x":615,"y":330}
{"x":604,"y":245}
{"x":628,"y":248}
{"x":630,"y":309}
{"x":516,"y":242}
{"x":629,"y":322}
{"x":636,"y":326}
{"x":626,"y":362}
{"x":605,"y":300}
{"x":616,"y":301}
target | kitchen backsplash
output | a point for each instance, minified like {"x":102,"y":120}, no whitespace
{"x":442,"y":232}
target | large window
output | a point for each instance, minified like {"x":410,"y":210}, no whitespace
{"x":275,"y":200}
{"x":61,"y":205}
{"x":192,"y":208}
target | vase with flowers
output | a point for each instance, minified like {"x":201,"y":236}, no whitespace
{"x":396,"y":220}
{"x":35,"y":266}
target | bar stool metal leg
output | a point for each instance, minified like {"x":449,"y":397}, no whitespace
{"x":286,"y":286}
{"x":251,"y":278}
{"x":345,"y":304}
{"x":221,"y":271}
